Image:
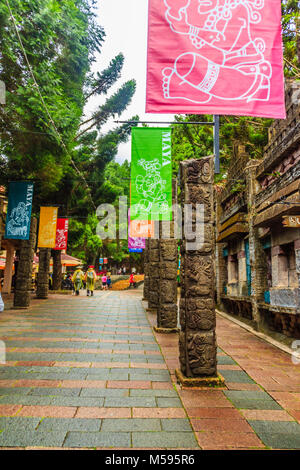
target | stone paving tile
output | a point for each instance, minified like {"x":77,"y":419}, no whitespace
{"x":153,"y":393}
{"x":267,"y":415}
{"x":32,"y":438}
{"x":18,"y":423}
{"x":242,"y":386}
{"x":109,"y":372}
{"x":9,"y":410}
{"x":178,"y":424}
{"x":12,"y":390}
{"x":295,"y":414}
{"x":36,"y":383}
{"x":130,"y":402}
{"x":48,"y":411}
{"x":77,"y":401}
{"x":220,"y":413}
{"x":104,"y":392}
{"x":91,"y":412}
{"x":217,"y":424}
{"x":25,"y":400}
{"x":223,"y":439}
{"x":158,"y":413}
{"x":235,"y":376}
{"x":83,"y":383}
{"x":66,"y":392}
{"x":256,"y":404}
{"x":128,"y":384}
{"x":247,"y":395}
{"x":130,"y":425}
{"x":225,"y":360}
{"x":98,"y":439}
{"x":278,"y":435}
{"x":166,"y":402}
{"x":69,"y":424}
{"x":162,"y":386}
{"x":164,"y":439}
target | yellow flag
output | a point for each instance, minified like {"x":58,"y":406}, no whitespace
{"x":47,"y":227}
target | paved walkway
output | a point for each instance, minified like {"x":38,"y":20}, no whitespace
{"x":89,"y":373}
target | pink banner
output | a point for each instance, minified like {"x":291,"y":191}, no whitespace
{"x":215,"y":57}
{"x":61,"y":234}
{"x":134,"y":242}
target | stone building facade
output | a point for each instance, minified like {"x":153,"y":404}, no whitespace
{"x":258,"y":257}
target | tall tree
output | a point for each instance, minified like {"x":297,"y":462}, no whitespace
{"x":50,"y":43}
{"x":47,"y":48}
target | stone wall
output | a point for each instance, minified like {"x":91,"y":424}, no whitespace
{"x":255,"y":213}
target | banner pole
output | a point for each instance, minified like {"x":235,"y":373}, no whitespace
{"x":217,"y":143}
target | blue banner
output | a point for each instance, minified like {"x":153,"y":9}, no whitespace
{"x":18,"y":216}
{"x":135,"y":250}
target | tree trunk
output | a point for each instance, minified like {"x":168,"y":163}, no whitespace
{"x":24,"y":274}
{"x":57,"y":269}
{"x":43,"y":274}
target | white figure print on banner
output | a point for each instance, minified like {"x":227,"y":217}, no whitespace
{"x":18,"y":221}
{"x":151,"y":187}
{"x":60,"y":238}
{"x":222,"y":50}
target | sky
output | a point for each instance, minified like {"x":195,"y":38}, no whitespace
{"x":125,"y":25}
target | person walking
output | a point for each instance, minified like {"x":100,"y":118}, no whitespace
{"x":90,"y":278}
{"x":131,"y":280}
{"x":77,"y":279}
{"x":108,"y":281}
{"x":104,"y":282}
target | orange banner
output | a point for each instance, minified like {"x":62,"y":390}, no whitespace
{"x":141,"y":229}
{"x":47,"y":227}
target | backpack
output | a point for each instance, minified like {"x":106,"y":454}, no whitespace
{"x":78,"y":276}
{"x":90,"y":275}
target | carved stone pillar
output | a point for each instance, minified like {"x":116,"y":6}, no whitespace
{"x":197,"y":342}
{"x":167,"y":306}
{"x":43,"y":274}
{"x":258,"y":261}
{"x":153,"y":298}
{"x":146,"y":271}
{"x":24,"y":274}
{"x":57,"y":269}
{"x":297,"y":253}
{"x":168,"y":262}
{"x":10,"y":251}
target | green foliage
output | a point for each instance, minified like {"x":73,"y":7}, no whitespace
{"x":196,"y":141}
{"x":86,"y":245}
{"x":291,"y":37}
{"x":61,"y":38}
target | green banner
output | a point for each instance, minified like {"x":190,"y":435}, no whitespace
{"x":151,"y":174}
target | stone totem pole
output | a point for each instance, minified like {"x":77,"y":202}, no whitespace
{"x":43,"y":274}
{"x":168,"y":258}
{"x":146,"y":271}
{"x":153,"y":263}
{"x":24,"y":275}
{"x":197,"y":342}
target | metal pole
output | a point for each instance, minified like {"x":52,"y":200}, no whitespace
{"x":181,"y":123}
{"x":217,"y":143}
